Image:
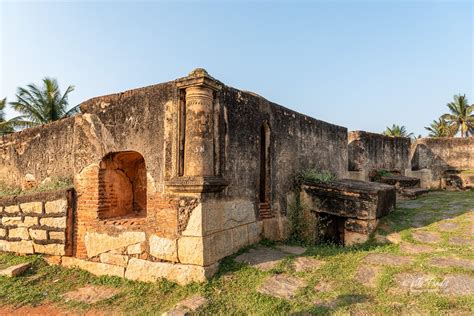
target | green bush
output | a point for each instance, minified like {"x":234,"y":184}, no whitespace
{"x":54,"y":184}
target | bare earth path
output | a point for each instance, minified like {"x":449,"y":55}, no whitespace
{"x":421,"y":261}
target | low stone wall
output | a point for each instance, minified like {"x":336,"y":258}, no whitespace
{"x":37,"y":223}
{"x":441,"y":156}
{"x":370,"y":151}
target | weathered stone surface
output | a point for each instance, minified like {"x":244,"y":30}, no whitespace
{"x":426,"y":237}
{"x":191,"y":250}
{"x":354,"y":238}
{"x":188,"y":305}
{"x":29,"y":221}
{"x":415,"y":249}
{"x":461,"y":241}
{"x":57,"y":236}
{"x":217,"y":246}
{"x":448,"y":226}
{"x":12,"y":209}
{"x":58,"y":206}
{"x":294,"y":250}
{"x":416,"y":282}
{"x":262,"y":258}
{"x":53,"y":260}
{"x":452,"y":262}
{"x":325,"y":286}
{"x":97,"y":243}
{"x":282,"y":286}
{"x":12,"y":221}
{"x":135,"y":249}
{"x":21,"y":247}
{"x":3,"y":232}
{"x":163,"y":248}
{"x":20,"y":232}
{"x":148,"y":271}
{"x":93,"y":267}
{"x":458,"y":285}
{"x":91,"y":294}
{"x":32,"y":207}
{"x":240,"y":237}
{"x":38,"y":234}
{"x":15,"y":270}
{"x":117,"y":260}
{"x":367,"y":275}
{"x":387,"y":259}
{"x":304,"y":264}
{"x":255,"y":232}
{"x":56,"y":222}
{"x":50,"y":249}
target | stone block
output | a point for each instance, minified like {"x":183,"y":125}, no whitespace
{"x":95,"y":268}
{"x":50,"y":249}
{"x":12,"y":209}
{"x":117,"y":260}
{"x":32,"y":207}
{"x":56,"y":222}
{"x":359,"y":175}
{"x":195,"y":222}
{"x":57,"y":236}
{"x":20,"y":232}
{"x":147,"y":271}
{"x":97,"y":243}
{"x":270,"y":228}
{"x":53,"y":260}
{"x":3,"y":232}
{"x":29,"y":221}
{"x":136,"y":249}
{"x":21,"y":247}
{"x":361,"y":225}
{"x":3,"y":245}
{"x":240,"y":237}
{"x":15,"y":270}
{"x":255,"y":231}
{"x":58,"y":206}
{"x":353,"y":238}
{"x":163,"y":248}
{"x":238,"y":213}
{"x":11,"y":221}
{"x":191,"y":250}
{"x":217,"y":246}
{"x":38,"y":234}
{"x":425,"y":176}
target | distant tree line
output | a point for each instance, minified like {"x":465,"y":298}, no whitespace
{"x":459,"y":120}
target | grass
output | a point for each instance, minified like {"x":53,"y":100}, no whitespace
{"x":234,"y":289}
{"x":54,"y":184}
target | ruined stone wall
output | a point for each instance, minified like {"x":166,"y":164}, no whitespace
{"x":37,"y":223}
{"x":370,"y":151}
{"x":442,"y":154}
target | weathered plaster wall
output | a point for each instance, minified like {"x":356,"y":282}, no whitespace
{"x":370,"y":151}
{"x":442,"y":154}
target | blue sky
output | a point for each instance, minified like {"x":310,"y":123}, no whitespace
{"x":363,"y":65}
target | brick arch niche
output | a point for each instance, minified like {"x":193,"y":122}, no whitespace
{"x":122,"y":185}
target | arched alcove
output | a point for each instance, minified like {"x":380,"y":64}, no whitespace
{"x":122,"y":185}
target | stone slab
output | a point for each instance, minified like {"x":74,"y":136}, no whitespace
{"x":367,"y":275}
{"x":262,"y":258}
{"x":97,"y":243}
{"x":426,"y":237}
{"x":91,"y":294}
{"x":187,"y":306}
{"x":281,"y":286}
{"x":294,"y":250}
{"x":15,"y":270}
{"x":387,"y":259}
{"x":452,"y":262}
{"x":414,"y":249}
{"x":306,"y":264}
{"x":416,"y":282}
{"x":458,"y":285}
{"x":95,"y":268}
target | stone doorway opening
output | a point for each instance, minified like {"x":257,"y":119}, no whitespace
{"x":122,"y":185}
{"x":331,"y":228}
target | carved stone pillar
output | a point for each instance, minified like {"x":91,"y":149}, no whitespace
{"x":198,"y":142}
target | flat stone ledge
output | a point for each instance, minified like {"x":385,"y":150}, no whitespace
{"x":187,"y":306}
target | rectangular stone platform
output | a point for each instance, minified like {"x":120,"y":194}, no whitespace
{"x":354,"y":206}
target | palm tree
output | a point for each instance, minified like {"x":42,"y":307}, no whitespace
{"x":461,"y":116}
{"x":41,"y":105}
{"x":5,"y":126}
{"x":397,"y":131}
{"x":441,"y":128}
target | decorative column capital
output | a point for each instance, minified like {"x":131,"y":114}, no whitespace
{"x":199,"y":77}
